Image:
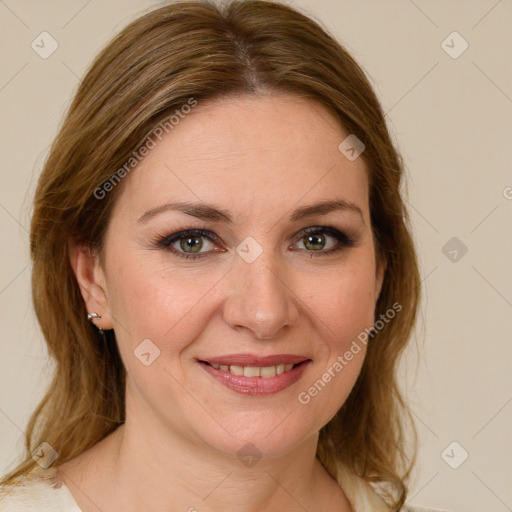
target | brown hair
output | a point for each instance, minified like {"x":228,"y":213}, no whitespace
{"x":200,"y":50}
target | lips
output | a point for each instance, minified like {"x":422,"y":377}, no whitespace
{"x":254,"y":360}
{"x":241,"y":372}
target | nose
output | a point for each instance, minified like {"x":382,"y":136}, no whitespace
{"x":260,"y":298}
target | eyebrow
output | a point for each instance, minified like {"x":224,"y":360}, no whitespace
{"x":213,"y":213}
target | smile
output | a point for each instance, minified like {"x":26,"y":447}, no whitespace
{"x":256,"y":380}
{"x":254,"y":371}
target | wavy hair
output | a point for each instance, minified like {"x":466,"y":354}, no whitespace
{"x":206,"y":50}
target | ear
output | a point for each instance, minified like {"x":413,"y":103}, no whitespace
{"x":91,"y":280}
{"x":380,"y":271}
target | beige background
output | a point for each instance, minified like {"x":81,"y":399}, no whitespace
{"x":452,"y":118}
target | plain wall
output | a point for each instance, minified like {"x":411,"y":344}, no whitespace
{"x":452,"y":118}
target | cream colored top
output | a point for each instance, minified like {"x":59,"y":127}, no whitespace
{"x":41,"y":492}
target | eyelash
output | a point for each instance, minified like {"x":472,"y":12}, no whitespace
{"x":165,"y":241}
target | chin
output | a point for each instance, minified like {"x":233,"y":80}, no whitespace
{"x":254,"y":435}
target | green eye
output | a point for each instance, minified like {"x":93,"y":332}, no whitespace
{"x":191,"y":244}
{"x":314,"y":242}
{"x":199,"y":243}
{"x":316,"y":239}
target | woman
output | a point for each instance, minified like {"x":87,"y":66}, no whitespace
{"x":224,"y":274}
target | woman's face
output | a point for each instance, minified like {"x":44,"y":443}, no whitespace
{"x":249,"y":282}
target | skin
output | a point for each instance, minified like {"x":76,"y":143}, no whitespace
{"x":259,"y":158}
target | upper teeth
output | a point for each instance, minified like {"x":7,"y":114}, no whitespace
{"x":254,"y":371}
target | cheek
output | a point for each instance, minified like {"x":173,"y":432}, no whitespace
{"x":344,"y":302}
{"x":344,"y":307}
{"x":149,"y":302}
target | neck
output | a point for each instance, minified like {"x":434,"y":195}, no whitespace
{"x":144,"y":465}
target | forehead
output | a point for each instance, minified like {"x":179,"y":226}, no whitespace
{"x":253,"y":155}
